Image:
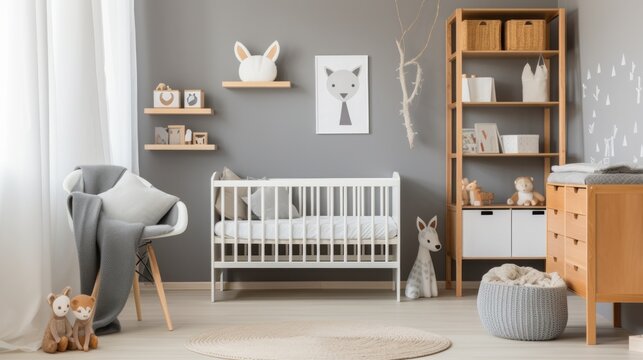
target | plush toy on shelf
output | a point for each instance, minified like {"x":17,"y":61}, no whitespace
{"x":422,"y":281}
{"x":525,"y":194}
{"x":58,"y":333}
{"x":464,"y":191}
{"x":477,"y":197}
{"x":82,"y":307}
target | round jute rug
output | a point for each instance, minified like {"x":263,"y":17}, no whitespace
{"x":317,"y":340}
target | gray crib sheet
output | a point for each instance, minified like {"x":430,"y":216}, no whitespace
{"x":582,"y":178}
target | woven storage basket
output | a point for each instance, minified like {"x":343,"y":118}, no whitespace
{"x":481,"y":35}
{"x":522,"y":312}
{"x":525,"y":35}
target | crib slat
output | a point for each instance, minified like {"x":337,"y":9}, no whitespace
{"x":381,"y":200}
{"x":249,"y":250}
{"x":263,"y":224}
{"x":275,"y":247}
{"x":386,"y":195}
{"x":305,"y":236}
{"x":318,"y":222}
{"x":331,"y":195}
{"x":290,"y":223}
{"x":236,"y":227}
{"x":345,"y":207}
{"x":222,"y":224}
{"x":372,"y":224}
{"x":359,"y":225}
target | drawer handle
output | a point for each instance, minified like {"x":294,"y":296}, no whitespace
{"x":555,"y":236}
{"x":486,"y":212}
{"x":575,"y":190}
{"x":575,"y":216}
{"x":575,"y":242}
{"x":555,"y":258}
{"x":538,"y":212}
{"x":555,"y":212}
{"x":575,"y":268}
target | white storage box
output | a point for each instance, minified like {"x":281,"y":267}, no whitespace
{"x":486,"y":233}
{"x":478,"y":89}
{"x":528,"y":233}
{"x":513,"y":144}
{"x":167,"y":98}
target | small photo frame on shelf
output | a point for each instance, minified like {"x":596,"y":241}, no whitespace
{"x":487,"y":138}
{"x":200,"y":138}
{"x":193,"y":99}
{"x":161,"y":135}
{"x":469,"y":145}
{"x":176,"y":134}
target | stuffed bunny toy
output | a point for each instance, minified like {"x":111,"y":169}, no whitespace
{"x":257,"y":67}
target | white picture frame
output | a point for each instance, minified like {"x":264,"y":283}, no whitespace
{"x":341,"y":94}
{"x":487,"y":138}
{"x":469,"y":144}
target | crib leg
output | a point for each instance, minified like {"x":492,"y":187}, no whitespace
{"x":213,"y":284}
{"x":397,"y":282}
{"x":221,"y":284}
{"x":393,"y":281}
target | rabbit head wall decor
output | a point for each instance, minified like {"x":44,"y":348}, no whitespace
{"x":257,"y":67}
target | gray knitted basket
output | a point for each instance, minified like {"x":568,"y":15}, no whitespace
{"x":522,"y":312}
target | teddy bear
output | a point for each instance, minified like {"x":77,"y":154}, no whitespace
{"x":464,"y":191}
{"x":58,"y":332}
{"x":477,"y":197}
{"x":525,"y":196}
{"x":82,"y":307}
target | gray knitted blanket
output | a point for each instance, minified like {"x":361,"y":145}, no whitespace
{"x":105,"y":244}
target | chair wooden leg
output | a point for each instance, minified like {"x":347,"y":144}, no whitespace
{"x":137,"y":296}
{"x":156,"y":274}
{"x":616,"y":315}
{"x":96,"y":286}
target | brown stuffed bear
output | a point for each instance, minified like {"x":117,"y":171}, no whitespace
{"x":525,"y":196}
{"x":82,"y":307}
{"x":58,"y":330}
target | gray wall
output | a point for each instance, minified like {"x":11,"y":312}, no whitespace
{"x":188,"y":44}
{"x":604,"y":31}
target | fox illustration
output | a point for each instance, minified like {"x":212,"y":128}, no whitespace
{"x":343,"y":85}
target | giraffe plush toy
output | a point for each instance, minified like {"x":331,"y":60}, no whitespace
{"x":422,"y":282}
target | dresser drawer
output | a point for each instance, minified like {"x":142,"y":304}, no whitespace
{"x":555,"y":197}
{"x":555,"y":245}
{"x":576,"y":200}
{"x":576,"y":278}
{"x":576,"y":251}
{"x":555,"y":221}
{"x":576,"y":226}
{"x":555,"y":264}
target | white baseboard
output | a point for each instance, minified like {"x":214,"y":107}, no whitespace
{"x":294,"y":285}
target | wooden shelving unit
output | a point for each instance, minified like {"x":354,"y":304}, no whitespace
{"x":180,"y":147}
{"x":256,"y":84}
{"x":455,"y":57}
{"x":177,"y":111}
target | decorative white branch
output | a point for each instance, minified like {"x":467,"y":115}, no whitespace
{"x":407,"y":98}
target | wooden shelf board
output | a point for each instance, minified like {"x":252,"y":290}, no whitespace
{"x":503,"y":155}
{"x":504,"y":206}
{"x":180,"y":147}
{"x":505,"y":258}
{"x":178,"y":111}
{"x":504,"y":54}
{"x":505,"y":13}
{"x":506,"y":104}
{"x":255,"y":84}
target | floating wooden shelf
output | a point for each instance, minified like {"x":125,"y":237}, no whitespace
{"x":255,"y":84}
{"x":506,"y":104}
{"x":178,"y":111}
{"x":180,"y":147}
{"x":505,"y":155}
{"x":504,"y":258}
{"x":504,"y":54}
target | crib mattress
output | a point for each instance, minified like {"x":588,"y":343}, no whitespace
{"x":354,"y":227}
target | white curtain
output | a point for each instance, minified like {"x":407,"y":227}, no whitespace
{"x":67,"y":97}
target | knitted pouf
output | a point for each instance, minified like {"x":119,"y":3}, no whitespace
{"x":523,"y":312}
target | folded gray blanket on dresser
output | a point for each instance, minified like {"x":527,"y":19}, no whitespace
{"x":105,"y":244}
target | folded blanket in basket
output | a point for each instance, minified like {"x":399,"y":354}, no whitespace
{"x":597,"y":168}
{"x":511,"y":274}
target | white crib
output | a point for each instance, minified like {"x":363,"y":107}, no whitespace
{"x":351,"y":223}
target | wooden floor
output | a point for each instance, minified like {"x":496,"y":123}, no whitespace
{"x":455,"y":318}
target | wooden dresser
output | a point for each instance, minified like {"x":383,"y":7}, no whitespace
{"x":595,"y":241}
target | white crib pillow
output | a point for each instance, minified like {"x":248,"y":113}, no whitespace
{"x":269,"y":204}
